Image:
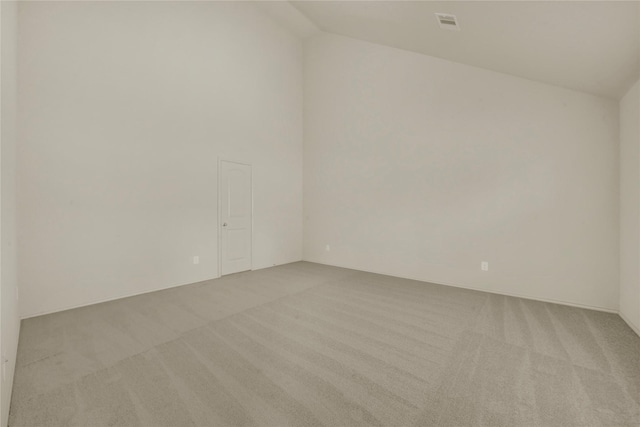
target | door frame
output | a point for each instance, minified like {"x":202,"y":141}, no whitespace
{"x":219,"y":228}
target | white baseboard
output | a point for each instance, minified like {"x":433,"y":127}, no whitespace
{"x":57,"y":310}
{"x":100,"y":301}
{"x":510,"y":294}
{"x":568,"y":303}
{"x":635,"y":328}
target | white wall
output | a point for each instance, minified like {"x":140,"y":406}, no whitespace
{"x":9,"y":316}
{"x":423,"y":168}
{"x":630,"y":207}
{"x":124,"y":110}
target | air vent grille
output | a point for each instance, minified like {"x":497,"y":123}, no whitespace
{"x":447,"y":21}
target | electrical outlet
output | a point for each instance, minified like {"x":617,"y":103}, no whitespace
{"x":327,"y":248}
{"x":196,"y":259}
{"x":484,"y":266}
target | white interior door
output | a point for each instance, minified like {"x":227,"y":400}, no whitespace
{"x":235,"y":200}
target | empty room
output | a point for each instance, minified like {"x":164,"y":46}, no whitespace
{"x":320,"y":213}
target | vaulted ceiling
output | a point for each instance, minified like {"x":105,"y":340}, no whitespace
{"x":590,"y":46}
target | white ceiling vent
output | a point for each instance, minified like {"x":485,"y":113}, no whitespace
{"x":447,"y":21}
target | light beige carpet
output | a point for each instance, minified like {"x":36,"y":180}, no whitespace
{"x":310,"y":345}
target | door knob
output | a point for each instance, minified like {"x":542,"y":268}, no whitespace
{"x":224,"y":225}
